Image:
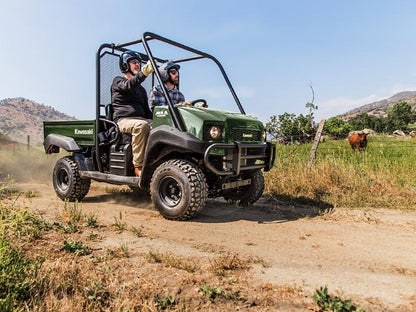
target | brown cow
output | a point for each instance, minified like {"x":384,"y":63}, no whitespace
{"x":358,"y":141}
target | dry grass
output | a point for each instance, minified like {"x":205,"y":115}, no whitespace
{"x":226,"y":263}
{"x":172,"y":261}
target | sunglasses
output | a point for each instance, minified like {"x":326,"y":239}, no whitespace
{"x":174,"y":72}
{"x":135,"y":61}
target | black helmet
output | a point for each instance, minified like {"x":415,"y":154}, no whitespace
{"x":125,"y":58}
{"x":164,"y":70}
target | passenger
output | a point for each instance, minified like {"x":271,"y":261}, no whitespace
{"x":130,"y":104}
{"x":169,"y":72}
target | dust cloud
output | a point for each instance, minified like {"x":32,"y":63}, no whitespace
{"x":22,"y":164}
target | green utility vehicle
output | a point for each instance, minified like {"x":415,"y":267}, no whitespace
{"x":192,"y":153}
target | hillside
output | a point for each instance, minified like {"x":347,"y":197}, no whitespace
{"x":20,"y":117}
{"x":380,"y":108}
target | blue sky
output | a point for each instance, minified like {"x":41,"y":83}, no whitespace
{"x":352,"y":52}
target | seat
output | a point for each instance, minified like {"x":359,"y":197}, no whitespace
{"x":109,"y":130}
{"x":109,"y":111}
{"x":113,"y":132}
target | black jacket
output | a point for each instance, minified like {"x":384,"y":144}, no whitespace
{"x":129,"y":98}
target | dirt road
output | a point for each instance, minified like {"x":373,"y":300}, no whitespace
{"x":367,"y":256}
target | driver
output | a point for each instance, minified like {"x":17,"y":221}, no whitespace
{"x":129,"y":100}
{"x":169,"y":73}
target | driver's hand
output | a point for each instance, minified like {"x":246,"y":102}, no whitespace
{"x":147,"y":69}
{"x":202,"y":105}
{"x":186,"y":103}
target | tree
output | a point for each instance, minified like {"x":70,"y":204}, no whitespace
{"x":399,"y":117}
{"x":361,"y":121}
{"x":366,"y":121}
{"x":305,"y":126}
{"x":337,"y":127}
{"x":272,"y":127}
{"x":380,"y":124}
{"x":290,"y":128}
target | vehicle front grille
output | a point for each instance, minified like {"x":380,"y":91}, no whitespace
{"x":245,"y":135}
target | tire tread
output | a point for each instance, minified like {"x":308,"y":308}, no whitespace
{"x":198,"y":185}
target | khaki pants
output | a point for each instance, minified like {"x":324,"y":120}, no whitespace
{"x":139,"y":129}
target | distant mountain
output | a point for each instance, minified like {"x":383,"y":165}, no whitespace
{"x":380,"y":108}
{"x":20,"y":117}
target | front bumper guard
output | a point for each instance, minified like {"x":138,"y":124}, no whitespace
{"x":237,"y":155}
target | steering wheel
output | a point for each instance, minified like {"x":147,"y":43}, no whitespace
{"x":204,"y":102}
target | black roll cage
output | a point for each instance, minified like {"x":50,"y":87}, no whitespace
{"x":109,"y":48}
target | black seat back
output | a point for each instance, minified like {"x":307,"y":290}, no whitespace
{"x":109,"y":111}
{"x":124,"y":138}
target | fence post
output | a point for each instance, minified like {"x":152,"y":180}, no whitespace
{"x":315,"y":144}
{"x":28,"y":142}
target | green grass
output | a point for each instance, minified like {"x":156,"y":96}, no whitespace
{"x":380,"y":177}
{"x":119,"y":224}
{"x":76,"y":247}
{"x":164,"y":302}
{"x":17,"y":277}
{"x":18,"y":229}
{"x":327,"y":302}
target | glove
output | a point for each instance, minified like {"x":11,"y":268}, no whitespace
{"x":202,"y":105}
{"x":147,"y":69}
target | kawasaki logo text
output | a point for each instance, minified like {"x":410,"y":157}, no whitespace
{"x":86,"y":131}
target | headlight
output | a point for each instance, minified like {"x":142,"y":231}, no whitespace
{"x":215,"y":132}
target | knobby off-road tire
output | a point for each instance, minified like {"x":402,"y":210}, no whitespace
{"x":67,"y":183}
{"x":179,"y":189}
{"x":248,"y":194}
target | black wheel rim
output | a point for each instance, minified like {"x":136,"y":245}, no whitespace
{"x":62,"y":179}
{"x":170,"y":192}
